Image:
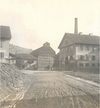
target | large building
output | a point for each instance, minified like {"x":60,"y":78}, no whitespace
{"x":45,"y":57}
{"x":79,"y":52}
{"x":5,"y":37}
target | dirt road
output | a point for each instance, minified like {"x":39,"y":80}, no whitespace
{"x":57,"y":90}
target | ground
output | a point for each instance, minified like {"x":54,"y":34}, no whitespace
{"x":85,"y":75}
{"x":56,"y":90}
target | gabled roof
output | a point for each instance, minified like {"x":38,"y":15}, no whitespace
{"x":44,"y":50}
{"x":5,"y":33}
{"x":70,"y":38}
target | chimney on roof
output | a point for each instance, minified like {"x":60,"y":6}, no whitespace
{"x":76,"y":26}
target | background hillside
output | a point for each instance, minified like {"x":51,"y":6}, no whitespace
{"x":17,"y":50}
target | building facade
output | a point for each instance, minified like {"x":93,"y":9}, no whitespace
{"x":45,"y":57}
{"x":5,"y":37}
{"x":79,"y":52}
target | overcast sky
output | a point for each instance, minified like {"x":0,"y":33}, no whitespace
{"x":34,"y":22}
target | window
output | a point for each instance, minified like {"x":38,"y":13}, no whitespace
{"x":81,"y":57}
{"x":87,"y":57}
{"x":93,"y":64}
{"x":1,"y":55}
{"x":87,"y":64}
{"x":81,"y":64}
{"x":71,"y":57}
{"x":92,"y":48}
{"x":66,"y":60}
{"x":93,"y":58}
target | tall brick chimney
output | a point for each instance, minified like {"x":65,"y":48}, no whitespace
{"x":76,"y":26}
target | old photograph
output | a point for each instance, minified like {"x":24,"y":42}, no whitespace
{"x":49,"y":54}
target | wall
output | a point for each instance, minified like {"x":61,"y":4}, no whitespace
{"x":5,"y":49}
{"x":64,"y":53}
{"x":75,"y":51}
{"x":45,"y":62}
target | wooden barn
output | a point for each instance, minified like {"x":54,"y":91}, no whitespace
{"x":45,"y":57}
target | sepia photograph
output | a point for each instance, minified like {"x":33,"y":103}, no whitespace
{"x":49,"y":54}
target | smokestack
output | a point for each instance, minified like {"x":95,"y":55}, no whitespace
{"x":76,"y":26}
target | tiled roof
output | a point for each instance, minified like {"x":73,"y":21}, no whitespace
{"x":5,"y":33}
{"x":44,"y":50}
{"x":70,"y":38}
